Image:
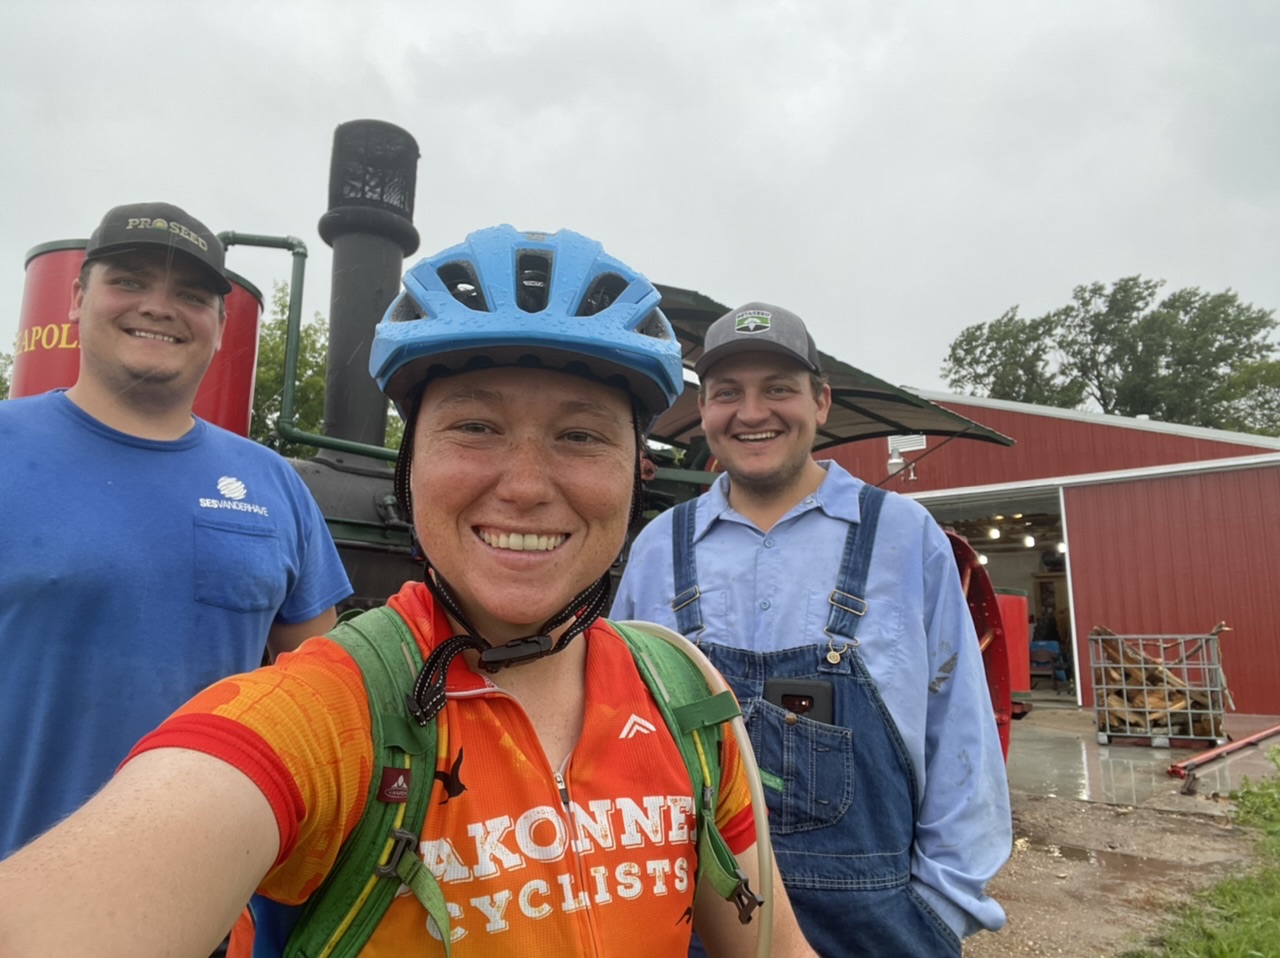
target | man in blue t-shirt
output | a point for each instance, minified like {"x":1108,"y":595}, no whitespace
{"x":146,"y":553}
{"x":835,"y":612}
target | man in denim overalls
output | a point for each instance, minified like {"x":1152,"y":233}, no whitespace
{"x":835,"y":611}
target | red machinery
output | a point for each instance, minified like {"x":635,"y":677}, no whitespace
{"x":985,"y":609}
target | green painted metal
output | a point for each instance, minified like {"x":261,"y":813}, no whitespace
{"x":693,"y":477}
{"x":293,"y":336}
{"x":369,"y":533}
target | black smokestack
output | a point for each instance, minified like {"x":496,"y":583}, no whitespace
{"x":370,"y":227}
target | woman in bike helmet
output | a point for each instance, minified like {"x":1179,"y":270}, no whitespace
{"x":511,"y":309}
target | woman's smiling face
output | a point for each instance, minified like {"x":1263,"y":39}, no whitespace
{"x":522,"y":482}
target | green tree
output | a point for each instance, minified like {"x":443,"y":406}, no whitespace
{"x":1255,"y":398}
{"x":1106,"y":346}
{"x":1213,"y":337}
{"x":6,"y":369}
{"x":395,"y":428}
{"x":1009,"y":358}
{"x":1119,"y":350}
{"x":308,"y":396}
{"x":268,"y":390}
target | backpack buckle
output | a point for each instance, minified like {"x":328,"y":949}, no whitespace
{"x":746,"y":900}
{"x":404,"y":840}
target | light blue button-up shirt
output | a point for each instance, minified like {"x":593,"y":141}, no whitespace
{"x":767,"y":591}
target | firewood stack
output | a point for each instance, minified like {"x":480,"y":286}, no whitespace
{"x":1176,"y":695}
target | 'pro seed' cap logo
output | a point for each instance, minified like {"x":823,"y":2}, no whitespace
{"x":753,"y":321}
{"x":166,"y":226}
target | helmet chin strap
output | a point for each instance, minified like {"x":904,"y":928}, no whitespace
{"x":428,"y":695}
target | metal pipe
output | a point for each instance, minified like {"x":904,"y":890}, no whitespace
{"x":292,"y":346}
{"x":1180,"y":769}
{"x":369,"y":225}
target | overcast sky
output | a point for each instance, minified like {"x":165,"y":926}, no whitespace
{"x":893,"y":172}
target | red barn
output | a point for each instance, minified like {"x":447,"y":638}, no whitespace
{"x":1146,"y":528}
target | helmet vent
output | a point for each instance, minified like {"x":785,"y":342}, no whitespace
{"x":533,"y":280}
{"x":459,"y":278}
{"x":655,"y":325}
{"x":405,"y":310}
{"x":604,"y":289}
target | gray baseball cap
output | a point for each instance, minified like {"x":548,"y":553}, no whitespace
{"x":162,"y":226}
{"x":758,"y":328}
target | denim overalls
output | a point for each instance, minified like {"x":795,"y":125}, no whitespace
{"x":842,"y":797}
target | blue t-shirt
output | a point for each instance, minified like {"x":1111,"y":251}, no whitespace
{"x":133,"y":573}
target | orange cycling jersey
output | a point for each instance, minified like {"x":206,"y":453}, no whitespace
{"x":596,"y":858}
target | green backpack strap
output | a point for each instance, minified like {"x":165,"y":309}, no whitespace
{"x":695,"y":718}
{"x":381,"y":852}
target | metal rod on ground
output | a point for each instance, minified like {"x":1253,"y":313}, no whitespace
{"x":1180,"y":769}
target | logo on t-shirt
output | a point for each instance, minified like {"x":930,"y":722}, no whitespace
{"x":636,"y":726}
{"x":452,"y":779}
{"x":232,"y":488}
{"x":504,"y":872}
{"x":233,"y":492}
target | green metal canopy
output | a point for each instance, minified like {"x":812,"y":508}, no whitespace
{"x":862,"y":406}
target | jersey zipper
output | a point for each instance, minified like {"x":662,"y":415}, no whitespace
{"x":584,"y":880}
{"x":562,"y":786}
{"x":564,"y":795}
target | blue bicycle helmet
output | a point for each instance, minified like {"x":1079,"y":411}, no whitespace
{"x":504,"y":298}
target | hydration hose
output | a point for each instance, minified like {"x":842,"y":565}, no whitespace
{"x":759,"y":811}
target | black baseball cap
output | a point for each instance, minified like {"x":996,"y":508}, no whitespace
{"x":758,"y":328}
{"x":163,"y":226}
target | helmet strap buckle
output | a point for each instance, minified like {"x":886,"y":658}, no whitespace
{"x":516,"y":652}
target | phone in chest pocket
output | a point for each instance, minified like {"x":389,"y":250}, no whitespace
{"x":812,"y":698}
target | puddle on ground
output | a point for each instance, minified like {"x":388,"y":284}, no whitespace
{"x":1068,"y":766}
{"x":1113,"y":866}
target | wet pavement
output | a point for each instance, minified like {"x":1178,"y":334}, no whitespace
{"x":1054,"y":752}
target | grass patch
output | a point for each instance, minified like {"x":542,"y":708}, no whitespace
{"x":1238,"y":917}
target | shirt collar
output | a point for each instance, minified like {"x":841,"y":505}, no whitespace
{"x":838,"y":494}
{"x":715,"y":504}
{"x":837,"y":497}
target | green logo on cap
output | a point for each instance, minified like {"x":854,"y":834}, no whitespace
{"x":159,"y":224}
{"x":755,"y":321}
